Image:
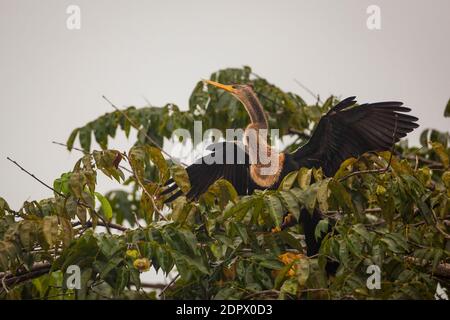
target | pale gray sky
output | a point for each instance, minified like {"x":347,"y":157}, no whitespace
{"x":52,"y":79}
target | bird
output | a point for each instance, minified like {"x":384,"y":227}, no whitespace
{"x":346,"y":130}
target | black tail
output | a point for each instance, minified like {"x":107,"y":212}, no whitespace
{"x":309,"y":223}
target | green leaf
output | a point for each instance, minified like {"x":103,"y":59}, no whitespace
{"x":105,"y":205}
{"x":275,"y":209}
{"x":281,"y":276}
{"x":447,"y":109}
{"x":307,"y":197}
{"x":271,"y":264}
{"x":290,"y":286}
{"x":61,"y":184}
{"x":71,"y":139}
{"x":290,"y":202}
{"x":321,"y":228}
{"x":342,"y":196}
{"x":362,"y":231}
{"x":85,"y":138}
{"x":4,"y":207}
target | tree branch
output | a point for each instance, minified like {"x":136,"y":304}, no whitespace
{"x":146,"y":135}
{"x":34,"y":177}
{"x":139,"y":182}
{"x":86,"y":153}
{"x":79,"y":202}
{"x":316,"y":96}
{"x":9,"y":280}
{"x":441,"y":270}
{"x":89,"y":224}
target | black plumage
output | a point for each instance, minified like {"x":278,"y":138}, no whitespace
{"x":345,"y":131}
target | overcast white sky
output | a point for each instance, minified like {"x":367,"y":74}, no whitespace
{"x":52,"y":78}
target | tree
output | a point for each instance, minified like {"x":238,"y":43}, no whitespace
{"x":389,"y":212}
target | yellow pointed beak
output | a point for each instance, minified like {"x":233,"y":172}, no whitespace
{"x":221,"y":86}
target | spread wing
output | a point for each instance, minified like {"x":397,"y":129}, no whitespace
{"x":228,"y":160}
{"x":350,"y":131}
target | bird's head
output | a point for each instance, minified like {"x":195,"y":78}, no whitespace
{"x":240,"y":91}
{"x":245,"y":94}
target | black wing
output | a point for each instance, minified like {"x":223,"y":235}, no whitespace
{"x":233,"y":166}
{"x":347,"y":131}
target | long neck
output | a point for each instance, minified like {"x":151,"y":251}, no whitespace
{"x":265,"y":162}
{"x":254,"y":109}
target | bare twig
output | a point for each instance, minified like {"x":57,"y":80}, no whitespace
{"x":66,"y":146}
{"x":137,"y":180}
{"x":89,"y":224}
{"x":153,"y":285}
{"x":424,"y":160}
{"x":334,"y":212}
{"x":169,"y":285}
{"x":316,"y":96}
{"x":355,"y":173}
{"x":79,"y":202}
{"x":438,"y":227}
{"x":34,"y":177}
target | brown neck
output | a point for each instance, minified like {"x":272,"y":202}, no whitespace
{"x":254,"y":109}
{"x":265,"y":162}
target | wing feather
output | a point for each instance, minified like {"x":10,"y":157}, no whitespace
{"x":204,"y":172}
{"x":350,"y":131}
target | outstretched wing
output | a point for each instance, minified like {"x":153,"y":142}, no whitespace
{"x":227,"y":160}
{"x":349,"y":131}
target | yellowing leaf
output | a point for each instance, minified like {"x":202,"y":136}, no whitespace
{"x":288,"y":181}
{"x":181,"y":178}
{"x":50,"y":229}
{"x":159,"y":161}
{"x":304,"y":177}
{"x":343,"y":168}
{"x":441,"y":152}
{"x":322,"y":195}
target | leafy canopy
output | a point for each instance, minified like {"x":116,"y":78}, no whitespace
{"x":224,"y":246}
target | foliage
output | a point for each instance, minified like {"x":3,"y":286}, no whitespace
{"x":224,"y":246}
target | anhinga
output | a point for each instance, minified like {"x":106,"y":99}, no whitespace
{"x":344,"y":131}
